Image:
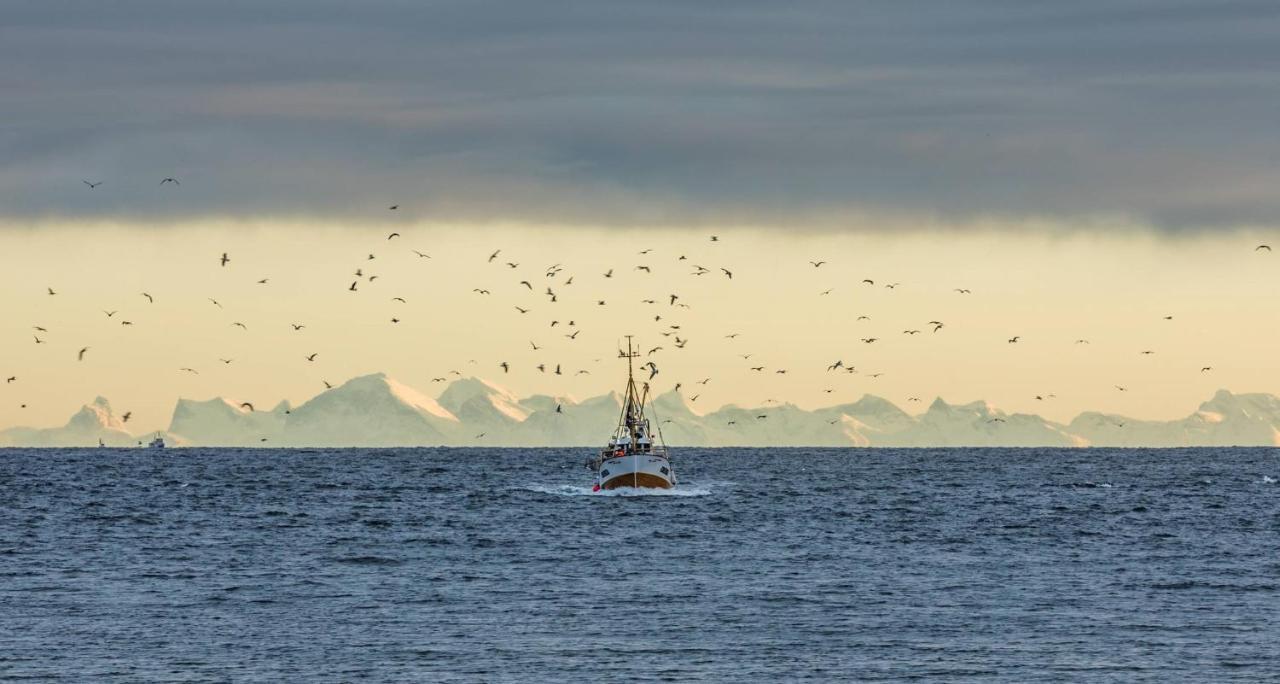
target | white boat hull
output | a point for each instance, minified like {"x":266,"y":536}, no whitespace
{"x":637,"y":470}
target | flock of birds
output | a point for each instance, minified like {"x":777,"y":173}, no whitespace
{"x":552,"y":281}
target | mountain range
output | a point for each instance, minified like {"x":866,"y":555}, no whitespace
{"x":377,"y":411}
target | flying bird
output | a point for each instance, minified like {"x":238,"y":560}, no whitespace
{"x":170,"y":180}
{"x":150,"y":299}
{"x":494,"y":255}
{"x":247,"y":405}
{"x":1262,"y":247}
{"x":127,"y":415}
{"x":224,"y":259}
{"x":1014,"y":339}
{"x":313,"y":356}
{"x":420,"y":254}
{"x":817,"y":264}
{"x":91,"y":185}
{"x":506,"y":368}
{"x":80,"y":355}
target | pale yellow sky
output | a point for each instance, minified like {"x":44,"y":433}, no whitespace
{"x":1109,"y":284}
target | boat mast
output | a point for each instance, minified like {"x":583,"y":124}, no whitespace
{"x":630,"y":419}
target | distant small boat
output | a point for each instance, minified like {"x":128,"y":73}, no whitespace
{"x":632,"y":459}
{"x":157,"y":443}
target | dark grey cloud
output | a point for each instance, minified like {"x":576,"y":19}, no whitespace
{"x":599,"y":111}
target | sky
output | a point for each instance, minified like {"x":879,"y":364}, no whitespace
{"x":1084,"y":168}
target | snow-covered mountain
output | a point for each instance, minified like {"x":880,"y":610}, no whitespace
{"x":94,"y":421}
{"x":375,"y":410}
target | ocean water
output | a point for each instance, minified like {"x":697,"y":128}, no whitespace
{"x":478,"y":565}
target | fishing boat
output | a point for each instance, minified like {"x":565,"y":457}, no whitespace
{"x":633,"y":458}
{"x":157,"y":443}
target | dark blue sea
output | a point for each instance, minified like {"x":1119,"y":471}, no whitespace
{"x":477,"y":565}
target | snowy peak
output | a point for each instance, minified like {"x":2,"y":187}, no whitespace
{"x":477,"y":399}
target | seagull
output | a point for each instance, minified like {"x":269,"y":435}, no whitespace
{"x":559,"y":409}
{"x":110,"y":313}
{"x":962,"y":290}
{"x":263,"y":281}
{"x":485,"y":292}
{"x":297,"y":326}
{"x":326,"y":384}
{"x":215,"y":302}
{"x":1146,"y":352}
{"x":869,"y":340}
{"x":1262,"y":247}
{"x":1206,"y":369}
{"x":494,"y":255}
{"x":91,"y":185}
{"x":646,"y":269}
{"x":523,"y":311}
{"x":608,"y":273}
{"x":313,"y":356}
{"x":817,"y":264}
{"x":149,"y":298}
{"x":534,"y":345}
{"x":1082,"y":341}
{"x":10,"y":379}
{"x":190,"y":370}
{"x":51,"y":292}
{"x":226,"y":361}
{"x":353,"y":286}
{"x":1014,"y":339}
{"x":1122,"y":389}
{"x":506,"y":368}
{"x":420,"y":254}
{"x":127,"y":415}
{"x":238,"y":324}
{"x":868,"y":281}
{"x":80,"y":356}
{"x":728,"y":274}
{"x":170,"y":180}
{"x":715,"y":238}
{"x":247,"y":405}
{"x":224,"y":259}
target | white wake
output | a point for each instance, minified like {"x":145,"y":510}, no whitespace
{"x":576,"y":490}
